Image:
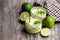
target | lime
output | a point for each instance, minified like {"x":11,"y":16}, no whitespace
{"x":48,"y":21}
{"x":24,"y":16}
{"x":27,"y":6}
{"x":45,"y":32}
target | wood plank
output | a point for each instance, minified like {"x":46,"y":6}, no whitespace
{"x":1,"y":27}
{"x":1,"y":19}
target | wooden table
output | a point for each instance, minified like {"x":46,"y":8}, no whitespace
{"x":12,"y":29}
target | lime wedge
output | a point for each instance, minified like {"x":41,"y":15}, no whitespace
{"x":45,"y":32}
{"x":24,"y":16}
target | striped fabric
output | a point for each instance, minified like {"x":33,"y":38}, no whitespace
{"x":52,"y":7}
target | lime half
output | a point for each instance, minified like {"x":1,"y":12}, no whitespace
{"x":45,"y":32}
{"x":24,"y":16}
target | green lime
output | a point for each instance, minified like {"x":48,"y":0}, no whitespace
{"x":45,"y":32}
{"x":27,"y":6}
{"x":48,"y":21}
{"x":24,"y":16}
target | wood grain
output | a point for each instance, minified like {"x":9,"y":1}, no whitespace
{"x":12,"y":29}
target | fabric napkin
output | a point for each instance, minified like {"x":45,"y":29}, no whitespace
{"x":52,"y":7}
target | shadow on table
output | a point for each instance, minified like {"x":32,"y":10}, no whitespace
{"x":36,"y":4}
{"x":57,"y":22}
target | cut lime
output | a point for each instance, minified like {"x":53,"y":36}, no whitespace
{"x":24,"y":16}
{"x":45,"y":32}
{"x":38,"y":12}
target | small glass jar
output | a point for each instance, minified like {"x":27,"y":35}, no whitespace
{"x":38,"y":15}
{"x":32,"y":27}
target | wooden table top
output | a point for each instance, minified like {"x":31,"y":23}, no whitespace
{"x":12,"y":29}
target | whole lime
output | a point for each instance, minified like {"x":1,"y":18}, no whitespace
{"x":27,"y":6}
{"x":48,"y":21}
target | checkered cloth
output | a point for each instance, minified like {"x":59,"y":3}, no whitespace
{"x":52,"y":7}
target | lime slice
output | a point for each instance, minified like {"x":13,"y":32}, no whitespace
{"x":38,"y":12}
{"x":45,"y":32}
{"x":24,"y":16}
